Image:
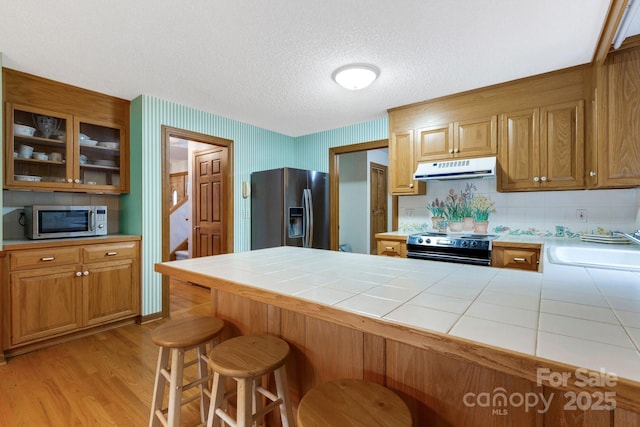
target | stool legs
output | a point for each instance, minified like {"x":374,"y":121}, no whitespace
{"x":175,"y":376}
{"x":248,"y":407}
{"x":175,"y":391}
{"x":203,"y":387}
{"x":158,"y":387}
{"x":282,"y":387}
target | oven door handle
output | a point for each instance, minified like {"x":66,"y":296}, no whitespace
{"x":448,"y":257}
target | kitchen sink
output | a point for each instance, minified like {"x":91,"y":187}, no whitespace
{"x":618,"y":258}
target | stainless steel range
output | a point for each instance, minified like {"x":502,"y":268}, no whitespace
{"x":461,"y":248}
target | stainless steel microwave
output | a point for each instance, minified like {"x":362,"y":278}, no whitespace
{"x":52,"y":222}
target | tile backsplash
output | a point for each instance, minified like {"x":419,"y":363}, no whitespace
{"x":15,"y":201}
{"x":543,"y":213}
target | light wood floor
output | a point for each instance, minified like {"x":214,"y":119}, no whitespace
{"x":101,"y":380}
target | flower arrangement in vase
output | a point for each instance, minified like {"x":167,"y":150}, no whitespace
{"x":466,"y":199}
{"x":482,"y":207}
{"x":437,"y":209}
{"x":453,"y":211}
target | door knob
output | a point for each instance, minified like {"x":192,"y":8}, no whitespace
{"x":592,"y":173}
{"x":536,"y":179}
{"x":543,"y":179}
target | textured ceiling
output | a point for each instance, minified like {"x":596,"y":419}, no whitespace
{"x":269,"y":63}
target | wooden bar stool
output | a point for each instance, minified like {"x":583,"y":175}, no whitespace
{"x":247,"y":359}
{"x":175,"y":338}
{"x":353,"y":403}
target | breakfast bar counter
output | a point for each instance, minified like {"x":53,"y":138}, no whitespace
{"x":463,"y":345}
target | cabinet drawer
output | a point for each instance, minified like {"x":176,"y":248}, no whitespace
{"x":110,"y":252}
{"x":520,"y":258}
{"x":392,"y":248}
{"x":42,"y":258}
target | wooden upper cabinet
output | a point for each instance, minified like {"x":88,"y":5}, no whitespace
{"x":519,"y":149}
{"x":435,"y":142}
{"x":543,"y":148}
{"x":63,"y":138}
{"x":463,"y":139}
{"x":402,"y":162}
{"x":476,"y":138}
{"x":562,"y":146}
{"x":617,"y":160}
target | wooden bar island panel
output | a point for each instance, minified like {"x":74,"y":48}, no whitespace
{"x":445,"y":380}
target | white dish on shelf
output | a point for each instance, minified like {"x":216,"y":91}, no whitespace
{"x":30,"y":178}
{"x":109,"y":144}
{"x":84,"y":136}
{"x":103,"y":162}
{"x":23,"y":130}
{"x":88,"y":142}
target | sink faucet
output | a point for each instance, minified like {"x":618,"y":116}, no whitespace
{"x":634,"y":236}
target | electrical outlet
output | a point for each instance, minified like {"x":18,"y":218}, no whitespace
{"x":581,"y":214}
{"x":409,"y":212}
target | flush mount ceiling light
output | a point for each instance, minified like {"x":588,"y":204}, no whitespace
{"x":355,"y":76}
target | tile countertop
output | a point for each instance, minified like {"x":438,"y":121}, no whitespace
{"x":586,"y":317}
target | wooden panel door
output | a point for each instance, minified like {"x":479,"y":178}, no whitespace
{"x":44,"y":302}
{"x":435,"y":143}
{"x":562,"y":146}
{"x":520,"y":150}
{"x":476,"y":138}
{"x":110,"y":291}
{"x":209,"y":171}
{"x":378,"y":199}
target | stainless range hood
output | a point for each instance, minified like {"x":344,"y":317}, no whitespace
{"x":482,"y":167}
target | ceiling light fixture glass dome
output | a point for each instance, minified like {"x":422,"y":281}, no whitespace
{"x":356,"y":76}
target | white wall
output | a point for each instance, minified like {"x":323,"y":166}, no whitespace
{"x":543,"y":213}
{"x":353,"y":201}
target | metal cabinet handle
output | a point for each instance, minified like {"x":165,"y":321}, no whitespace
{"x":111,"y":253}
{"x":78,"y":273}
{"x":543,"y":179}
{"x":536,"y":179}
{"x":69,"y":179}
{"x":411,"y":185}
{"x":519,"y":259}
{"x":450,"y":150}
{"x":85,"y":273}
{"x":592,"y":173}
{"x":455,"y":150}
{"x":47,"y":258}
{"x":77,"y":181}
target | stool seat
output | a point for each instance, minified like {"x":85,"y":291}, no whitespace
{"x":187,"y":332}
{"x":248,"y":356}
{"x":353,"y":403}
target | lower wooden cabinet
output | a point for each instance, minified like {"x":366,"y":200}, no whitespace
{"x":391,"y":245}
{"x":523,"y":256}
{"x":54,"y":291}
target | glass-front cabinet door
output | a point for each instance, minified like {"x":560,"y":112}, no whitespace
{"x":99,"y":159}
{"x":39,"y":149}
{"x":46,"y":150}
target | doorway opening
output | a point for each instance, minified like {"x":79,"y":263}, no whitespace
{"x":197,"y":202}
{"x":341,"y":170}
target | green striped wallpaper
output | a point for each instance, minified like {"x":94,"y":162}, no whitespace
{"x":313,"y":149}
{"x":254,"y":149}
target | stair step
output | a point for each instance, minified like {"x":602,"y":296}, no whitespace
{"x":182,"y":254}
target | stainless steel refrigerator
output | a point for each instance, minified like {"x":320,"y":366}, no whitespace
{"x":289,"y":207}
